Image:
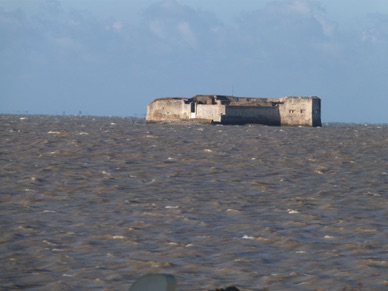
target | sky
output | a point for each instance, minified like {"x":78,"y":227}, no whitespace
{"x":113,"y":57}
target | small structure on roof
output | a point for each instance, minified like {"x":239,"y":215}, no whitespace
{"x":285,"y":111}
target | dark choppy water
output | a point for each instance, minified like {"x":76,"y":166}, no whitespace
{"x":93,"y":203}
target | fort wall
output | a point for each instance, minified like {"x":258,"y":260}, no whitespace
{"x":300,"y":111}
{"x":168,"y":109}
{"x":209,"y":112}
{"x":290,"y":111}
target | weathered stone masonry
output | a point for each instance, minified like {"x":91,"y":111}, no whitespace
{"x":289,"y":110}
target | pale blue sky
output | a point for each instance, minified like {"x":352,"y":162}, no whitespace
{"x":113,"y":57}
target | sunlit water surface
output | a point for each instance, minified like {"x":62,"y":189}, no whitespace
{"x":92,"y":203}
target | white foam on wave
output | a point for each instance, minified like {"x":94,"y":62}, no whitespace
{"x":247,"y":237}
{"x":328,"y":237}
{"x":230,"y":210}
{"x":105,"y":173}
{"x":118,"y":237}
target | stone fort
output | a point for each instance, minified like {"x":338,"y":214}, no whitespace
{"x":285,"y":111}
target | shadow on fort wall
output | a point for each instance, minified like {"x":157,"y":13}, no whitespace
{"x":240,"y":115}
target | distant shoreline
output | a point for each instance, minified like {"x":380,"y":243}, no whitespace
{"x":324,"y":124}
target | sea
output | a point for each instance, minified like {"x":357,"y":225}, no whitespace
{"x":93,"y":203}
